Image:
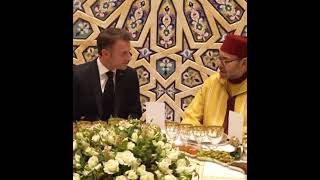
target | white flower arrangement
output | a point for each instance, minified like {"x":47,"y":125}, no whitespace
{"x":128,"y":149}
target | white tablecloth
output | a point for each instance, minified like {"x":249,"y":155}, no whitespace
{"x":213,"y":171}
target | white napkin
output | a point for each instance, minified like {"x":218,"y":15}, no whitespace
{"x":235,"y":125}
{"x":226,"y":148}
{"x":216,"y":170}
{"x":155,"y":113}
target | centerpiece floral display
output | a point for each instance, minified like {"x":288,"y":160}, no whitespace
{"x":126,"y":149}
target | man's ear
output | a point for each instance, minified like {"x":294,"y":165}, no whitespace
{"x":244,"y":61}
{"x":105,"y":52}
{"x":244,"y":64}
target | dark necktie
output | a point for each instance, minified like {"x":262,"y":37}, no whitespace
{"x":108,"y":97}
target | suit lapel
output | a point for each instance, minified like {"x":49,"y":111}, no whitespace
{"x":95,"y":79}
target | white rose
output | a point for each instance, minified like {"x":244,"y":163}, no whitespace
{"x":107,"y":148}
{"x":103,"y":133}
{"x":77,"y":157}
{"x":134,"y":137}
{"x":130,"y":145}
{"x":112,"y":154}
{"x":181,"y":162}
{"x":128,"y":125}
{"x":75,"y":145}
{"x":98,"y":167}
{"x":86,"y":133}
{"x":164,"y":166}
{"x":93,"y":161}
{"x":141,"y":170}
{"x":79,"y":135}
{"x":147,"y":176}
{"x":159,"y":144}
{"x":111,"y":139}
{"x":91,"y":151}
{"x":173,"y":155}
{"x":125,"y":158}
{"x":78,"y":165}
{"x":85,"y":172}
{"x":96,"y":126}
{"x":150,"y":133}
{"x":185,"y":169}
{"x":76,"y":161}
{"x":168,"y":146}
{"x":180,"y":169}
{"x":119,"y":157}
{"x":158,"y":173}
{"x":111,"y":167}
{"x":121,"y":178}
{"x":76,"y":176}
{"x":95,"y":138}
{"x":131,"y":174}
{"x":125,"y":124}
{"x":170,"y":177}
{"x":84,"y":144}
{"x":135,"y":163}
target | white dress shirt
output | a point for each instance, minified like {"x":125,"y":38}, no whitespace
{"x":103,"y":76}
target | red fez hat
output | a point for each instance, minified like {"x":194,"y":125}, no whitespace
{"x":235,"y":45}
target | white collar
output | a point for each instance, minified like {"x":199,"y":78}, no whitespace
{"x":102,"y":69}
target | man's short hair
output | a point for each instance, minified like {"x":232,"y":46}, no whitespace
{"x":109,"y":36}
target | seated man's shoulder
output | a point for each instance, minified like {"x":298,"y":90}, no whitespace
{"x":130,"y":71}
{"x":213,"y":77}
{"x":83,"y":67}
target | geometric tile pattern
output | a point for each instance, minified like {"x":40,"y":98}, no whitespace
{"x":166,"y":37}
{"x":137,"y":16}
{"x":229,"y":9}
{"x":175,"y":43}
{"x":166,"y":67}
{"x":143,"y":75}
{"x":191,"y":77}
{"x":209,"y":58}
{"x":197,"y":21}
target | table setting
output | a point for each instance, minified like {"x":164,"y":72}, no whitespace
{"x":217,"y":155}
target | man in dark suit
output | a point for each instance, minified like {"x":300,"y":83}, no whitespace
{"x":106,"y":86}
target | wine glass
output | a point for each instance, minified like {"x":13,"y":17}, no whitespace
{"x":199,"y":132}
{"x":215,"y":135}
{"x":171,"y":130}
{"x":184,"y":132}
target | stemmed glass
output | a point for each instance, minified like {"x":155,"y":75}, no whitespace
{"x":215,"y":135}
{"x":171,"y":130}
{"x":199,"y":133}
{"x":184,"y":132}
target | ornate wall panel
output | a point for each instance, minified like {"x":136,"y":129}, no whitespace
{"x":175,"y":42}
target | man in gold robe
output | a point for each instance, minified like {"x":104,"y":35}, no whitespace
{"x":224,"y":91}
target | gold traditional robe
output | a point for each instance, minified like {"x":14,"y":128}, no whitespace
{"x":210,"y":103}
